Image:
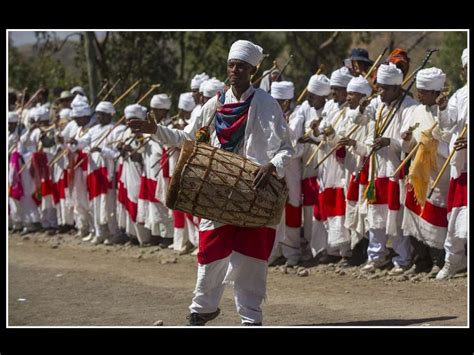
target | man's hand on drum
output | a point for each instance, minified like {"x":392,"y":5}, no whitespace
{"x":141,"y":126}
{"x":262,"y":175}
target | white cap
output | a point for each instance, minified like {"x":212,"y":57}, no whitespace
{"x":186,"y":102}
{"x":210,"y":87}
{"x":106,"y":107}
{"x":341,"y":77}
{"x":319,"y":85}
{"x":160,"y":101}
{"x":198,"y":80}
{"x":135,"y":111}
{"x":246,"y":51}
{"x":360,"y":85}
{"x":40,"y":113}
{"x":283,"y":90}
{"x":389,"y":74}
{"x":430,"y":79}
{"x":12,"y":117}
{"x":78,"y":89}
{"x":79,"y":100}
{"x":81,"y":110}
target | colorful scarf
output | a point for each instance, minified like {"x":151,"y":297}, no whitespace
{"x":16,"y":188}
{"x":231,"y":120}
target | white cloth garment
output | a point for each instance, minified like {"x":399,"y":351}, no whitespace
{"x":12,"y":117}
{"x":246,"y":51}
{"x":465,"y":57}
{"x":389,"y":74}
{"x":211,"y":87}
{"x":135,"y":111}
{"x":430,"y":79}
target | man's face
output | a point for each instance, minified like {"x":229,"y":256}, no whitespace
{"x":185,"y":115}
{"x":388,"y":93}
{"x":353,"y":99}
{"x":427,"y":97}
{"x":316,"y":101}
{"x":239,"y":72}
{"x":338,"y":94}
{"x":65,"y":103}
{"x":204,"y":99}
{"x":103,"y":118}
{"x":159,"y":114}
{"x":196,"y":96}
{"x":82,"y":121}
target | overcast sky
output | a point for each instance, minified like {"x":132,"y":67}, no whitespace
{"x":20,"y":38}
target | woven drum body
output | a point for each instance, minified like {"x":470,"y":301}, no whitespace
{"x":214,"y":184}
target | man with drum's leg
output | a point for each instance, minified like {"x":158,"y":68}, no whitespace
{"x":253,"y":127}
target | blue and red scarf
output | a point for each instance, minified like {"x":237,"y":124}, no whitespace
{"x":231,"y":120}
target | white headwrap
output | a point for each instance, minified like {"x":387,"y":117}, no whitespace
{"x":81,"y":110}
{"x":65,"y":113}
{"x":78,"y":89}
{"x":210,"y":87}
{"x":160,"y":101}
{"x":246,"y":51}
{"x":40,"y":113}
{"x":465,"y":57}
{"x":430,"y":79}
{"x":186,"y":102}
{"x":135,"y":111}
{"x":319,"y":85}
{"x":341,"y":77}
{"x":389,"y":74}
{"x":360,"y":85}
{"x":198,"y":80}
{"x":106,"y":107}
{"x":12,"y":117}
{"x":79,"y":100}
{"x":283,"y":90}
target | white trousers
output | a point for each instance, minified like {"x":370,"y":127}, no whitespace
{"x":454,"y":248}
{"x":378,"y":247}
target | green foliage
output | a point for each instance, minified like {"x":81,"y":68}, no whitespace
{"x":449,"y":58}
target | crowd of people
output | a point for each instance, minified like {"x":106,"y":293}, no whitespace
{"x":361,"y":155}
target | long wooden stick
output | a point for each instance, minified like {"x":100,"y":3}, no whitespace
{"x":267,"y":73}
{"x":133,"y":86}
{"x":351,"y":132}
{"x":374,"y":66}
{"x":111,"y":89}
{"x":446,"y":163}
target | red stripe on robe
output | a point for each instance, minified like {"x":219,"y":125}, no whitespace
{"x":457,"y":193}
{"x":98,"y":182}
{"x":293,"y":216}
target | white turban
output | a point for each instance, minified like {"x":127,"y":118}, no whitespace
{"x":79,"y":100}
{"x":283,"y":90}
{"x":65,"y":113}
{"x":319,"y":85}
{"x":341,"y":77}
{"x":12,"y":117}
{"x":198,"y":80}
{"x":81,"y":110}
{"x":464,"y":57}
{"x":246,"y":51}
{"x":40,"y":113}
{"x":160,"y":101}
{"x":78,"y":89}
{"x":135,"y":111}
{"x":210,"y":87}
{"x":430,"y":79}
{"x":106,"y":107}
{"x":389,"y":74}
{"x":186,"y":102}
{"x":360,"y":85}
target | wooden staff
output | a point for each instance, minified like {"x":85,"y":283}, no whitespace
{"x":267,"y":73}
{"x":351,"y":132}
{"x":111,"y":89}
{"x":96,"y":101}
{"x":258,"y":67}
{"x":134,"y":85}
{"x":171,"y":151}
{"x":284,"y":67}
{"x":300,"y":98}
{"x":376,"y":63}
{"x":446,"y":163}
{"x":145,"y":141}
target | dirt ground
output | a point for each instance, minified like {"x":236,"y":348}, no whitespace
{"x":61,"y":281}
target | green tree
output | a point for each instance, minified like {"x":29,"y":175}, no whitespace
{"x":449,"y":58}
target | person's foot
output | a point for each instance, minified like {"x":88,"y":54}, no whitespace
{"x":329,"y":259}
{"x":200,"y":319}
{"x":449,"y":270}
{"x":97,"y":240}
{"x":398,"y":269}
{"x":344,"y":262}
{"x":375,"y":264}
{"x":87,"y":238}
{"x":434,"y":271}
{"x":249,"y":324}
{"x":52,"y":231}
{"x":166,"y":242}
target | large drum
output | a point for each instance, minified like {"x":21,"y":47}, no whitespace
{"x":215,"y":184}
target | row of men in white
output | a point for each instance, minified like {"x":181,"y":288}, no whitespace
{"x":94,"y":186}
{"x":336,"y":215}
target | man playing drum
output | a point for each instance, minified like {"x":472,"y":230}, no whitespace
{"x":250,"y":123}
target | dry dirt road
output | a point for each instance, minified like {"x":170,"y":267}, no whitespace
{"x":62,"y":282}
